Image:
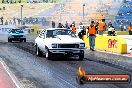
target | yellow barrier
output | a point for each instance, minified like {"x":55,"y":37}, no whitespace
{"x":108,"y":43}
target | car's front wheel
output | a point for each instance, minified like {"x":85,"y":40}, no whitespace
{"x":9,"y":40}
{"x":24,"y":40}
{"x":81,"y":55}
{"x":38,"y":51}
{"x":48,"y":55}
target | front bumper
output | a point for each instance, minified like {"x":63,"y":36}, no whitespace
{"x":68,"y":52}
{"x":17,"y":39}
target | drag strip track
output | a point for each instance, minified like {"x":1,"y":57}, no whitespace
{"x":29,"y":47}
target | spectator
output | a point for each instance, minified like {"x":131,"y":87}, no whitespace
{"x":82,"y":32}
{"x":111,"y":30}
{"x":121,"y":27}
{"x":6,"y":23}
{"x":53,"y":24}
{"x":60,"y":25}
{"x":2,"y":20}
{"x":130,"y":29}
{"x":102,"y":27}
{"x":3,"y":1}
{"x":19,"y":21}
{"x":73,"y":29}
{"x":10,"y":22}
{"x":3,"y":8}
{"x":124,"y":28}
{"x":66,"y":25}
{"x":97,"y":24}
{"x":80,"y":23}
{"x":109,"y":24}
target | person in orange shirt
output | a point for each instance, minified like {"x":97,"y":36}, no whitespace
{"x":92,"y":34}
{"x":101,"y":27}
{"x":73,"y":29}
{"x":130,"y":29}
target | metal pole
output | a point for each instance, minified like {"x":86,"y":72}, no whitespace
{"x":21,"y":14}
{"x":83,"y":10}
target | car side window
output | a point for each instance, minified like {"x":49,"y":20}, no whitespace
{"x":50,"y":33}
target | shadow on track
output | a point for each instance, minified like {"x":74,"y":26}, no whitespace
{"x":64,"y":58}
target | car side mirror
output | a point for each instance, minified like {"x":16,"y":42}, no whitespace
{"x":42,"y":36}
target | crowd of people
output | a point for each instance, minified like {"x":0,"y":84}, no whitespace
{"x":15,"y":21}
{"x":94,"y":28}
{"x":124,"y":15}
{"x":26,"y":1}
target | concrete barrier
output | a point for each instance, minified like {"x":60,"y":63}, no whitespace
{"x":128,"y":39}
{"x":108,"y":43}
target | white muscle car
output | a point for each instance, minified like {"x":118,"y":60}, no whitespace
{"x":59,"y":41}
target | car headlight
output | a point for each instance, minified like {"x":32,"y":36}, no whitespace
{"x":54,"y":45}
{"x":82,"y":45}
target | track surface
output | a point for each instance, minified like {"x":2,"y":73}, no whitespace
{"x":37,"y":72}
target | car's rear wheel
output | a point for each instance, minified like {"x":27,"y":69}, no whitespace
{"x":38,"y":52}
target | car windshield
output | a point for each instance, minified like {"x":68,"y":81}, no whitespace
{"x":53,"y":33}
{"x":16,"y":30}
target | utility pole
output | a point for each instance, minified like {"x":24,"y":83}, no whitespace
{"x":21,"y":14}
{"x":83,"y":11}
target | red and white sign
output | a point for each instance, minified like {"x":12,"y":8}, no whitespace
{"x":112,"y":43}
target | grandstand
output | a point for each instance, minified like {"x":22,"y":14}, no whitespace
{"x":124,"y":16}
{"x":73,"y":10}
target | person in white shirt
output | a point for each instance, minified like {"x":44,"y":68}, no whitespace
{"x":111,"y":30}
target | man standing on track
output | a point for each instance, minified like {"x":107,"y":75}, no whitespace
{"x":92,"y":34}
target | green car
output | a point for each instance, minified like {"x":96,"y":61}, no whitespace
{"x":16,"y":35}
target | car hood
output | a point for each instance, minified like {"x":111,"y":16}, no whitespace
{"x":64,"y":39}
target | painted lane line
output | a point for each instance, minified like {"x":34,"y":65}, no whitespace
{"x":11,"y":75}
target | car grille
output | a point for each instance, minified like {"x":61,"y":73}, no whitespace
{"x":68,"y":46}
{"x":17,"y":36}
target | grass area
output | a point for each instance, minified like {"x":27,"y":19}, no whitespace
{"x":119,"y":32}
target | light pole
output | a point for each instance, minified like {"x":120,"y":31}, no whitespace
{"x":21,"y":14}
{"x":83,"y":11}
